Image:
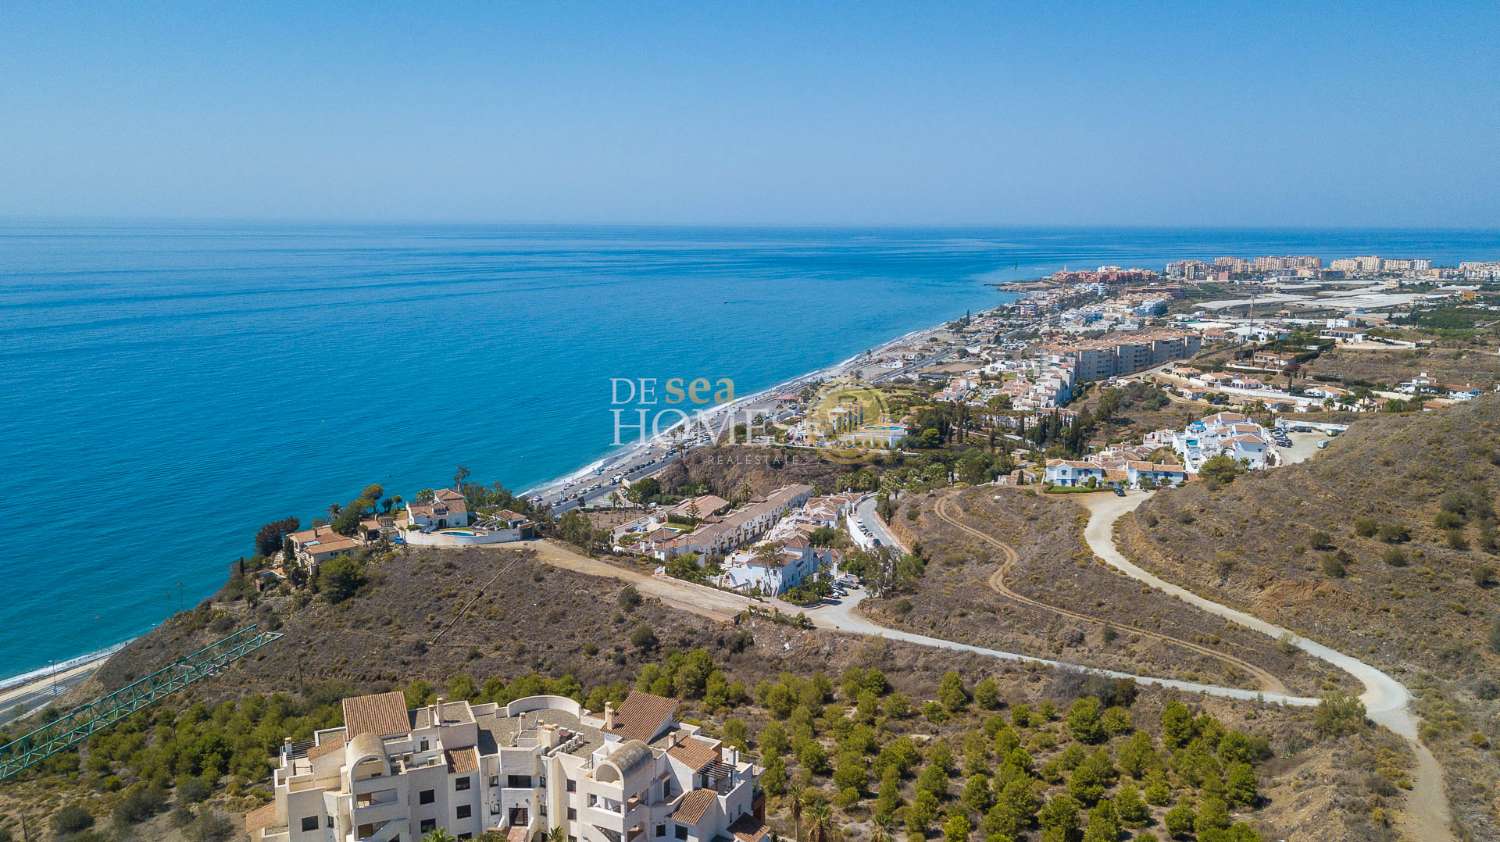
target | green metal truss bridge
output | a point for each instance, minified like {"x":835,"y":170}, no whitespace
{"x":80,"y":723}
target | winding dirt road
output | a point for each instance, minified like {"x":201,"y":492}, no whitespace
{"x":945,"y":510}
{"x":1387,"y":701}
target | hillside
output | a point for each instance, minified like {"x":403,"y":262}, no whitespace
{"x":737,"y":472}
{"x":1478,"y":367}
{"x":1051,"y":600}
{"x":1383,"y":546}
{"x":535,"y":618}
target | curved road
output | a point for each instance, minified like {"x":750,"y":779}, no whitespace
{"x":1387,"y":701}
{"x":945,"y":511}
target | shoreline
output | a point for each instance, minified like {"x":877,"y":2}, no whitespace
{"x":623,"y":453}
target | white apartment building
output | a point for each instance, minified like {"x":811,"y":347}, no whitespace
{"x":391,"y":774}
{"x":1227,"y":433}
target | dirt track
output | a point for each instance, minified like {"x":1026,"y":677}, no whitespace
{"x":945,"y":510}
{"x":1387,"y":701}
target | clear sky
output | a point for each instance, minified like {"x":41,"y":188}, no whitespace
{"x":1300,"y":114}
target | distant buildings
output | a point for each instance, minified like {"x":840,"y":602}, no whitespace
{"x":1105,"y":275}
{"x":1119,"y":354}
{"x":523,"y":769}
{"x":1480,"y":270}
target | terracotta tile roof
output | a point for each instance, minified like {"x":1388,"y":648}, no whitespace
{"x":694,"y":806}
{"x":260,"y":818}
{"x":328,"y":746}
{"x":461,"y":761}
{"x":642,"y":716}
{"x":379,"y":714}
{"x":694,"y":753}
{"x":747,"y":828}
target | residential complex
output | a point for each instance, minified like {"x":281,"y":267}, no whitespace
{"x":719,"y":536}
{"x":1227,"y":433}
{"x":1127,"y":353}
{"x":632,"y":774}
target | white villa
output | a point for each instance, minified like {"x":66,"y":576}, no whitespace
{"x":390,"y":774}
{"x":791,"y":562}
{"x":317,"y":545}
{"x":1115,"y":465}
{"x":1228,"y":433}
{"x":447,"y":508}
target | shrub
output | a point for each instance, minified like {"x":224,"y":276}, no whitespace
{"x":1484,"y":575}
{"x":140,"y":804}
{"x":1447,"y":520}
{"x":71,"y":819}
{"x":643,"y":637}
{"x":629,"y":597}
{"x":192,"y":790}
{"x":1456,"y":539}
{"x":1395,"y":557}
{"x":1179,"y":819}
{"x":987,"y":694}
{"x":210,"y":826}
{"x":1340,"y":714}
{"x":1083,"y":720}
{"x":1320,"y":541}
{"x":1366,"y":527}
{"x":1334,"y":566}
{"x":1394,"y":533}
{"x":340,"y":578}
{"x":951,"y":692}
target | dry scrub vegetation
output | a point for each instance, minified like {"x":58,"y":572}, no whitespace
{"x":956,"y":599}
{"x":1384,"y":546}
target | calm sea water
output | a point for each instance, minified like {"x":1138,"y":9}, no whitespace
{"x":166,"y":389}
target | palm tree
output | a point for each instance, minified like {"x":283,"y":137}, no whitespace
{"x":556,"y":834}
{"x":794,"y":792}
{"x":439,"y":835}
{"x":820,"y":820}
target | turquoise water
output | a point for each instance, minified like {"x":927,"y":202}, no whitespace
{"x":168,"y":388}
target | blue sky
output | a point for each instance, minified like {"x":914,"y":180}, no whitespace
{"x":761,"y":113}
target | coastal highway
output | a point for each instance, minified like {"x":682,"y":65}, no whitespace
{"x":23,"y":699}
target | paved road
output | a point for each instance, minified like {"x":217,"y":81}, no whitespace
{"x":948,"y":511}
{"x":844,"y":616}
{"x":35,"y":695}
{"x":1387,"y":701}
{"x":864,"y":513}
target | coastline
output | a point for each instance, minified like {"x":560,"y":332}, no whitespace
{"x":17,"y":685}
{"x":626,"y":452}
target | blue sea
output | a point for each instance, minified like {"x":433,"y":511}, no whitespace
{"x":167,"y":388}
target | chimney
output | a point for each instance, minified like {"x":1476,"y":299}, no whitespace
{"x":609,"y":716}
{"x":437,"y":712}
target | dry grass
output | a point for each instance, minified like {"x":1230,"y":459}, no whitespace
{"x":955,"y":599}
{"x":1477,"y":367}
{"x":1255,"y":544}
